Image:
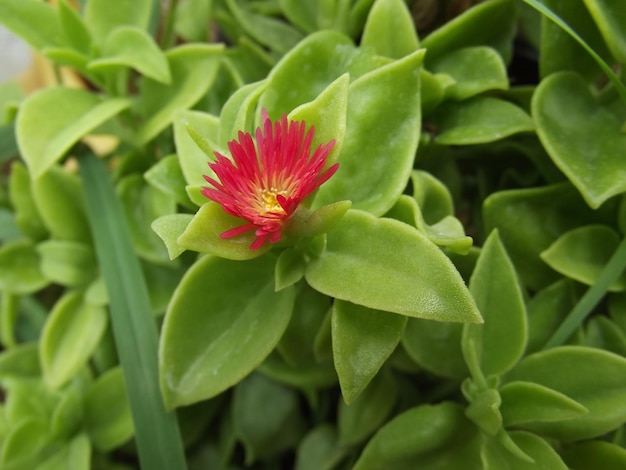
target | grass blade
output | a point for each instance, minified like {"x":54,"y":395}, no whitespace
{"x":156,"y":431}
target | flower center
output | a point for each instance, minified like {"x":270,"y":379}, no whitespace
{"x":269,"y":203}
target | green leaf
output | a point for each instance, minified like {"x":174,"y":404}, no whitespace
{"x":130,"y":46}
{"x":501,"y":340}
{"x":74,"y":28}
{"x":427,"y":437}
{"x":240,"y":308}
{"x":558,"y":51}
{"x":61,"y":204}
{"x":582,"y":253}
{"x":268,"y":31}
{"x":595,"y":454}
{"x":238,"y":113}
{"x":387,"y":265}
{"x":69,"y":338}
{"x":319,"y":450}
{"x":166,"y":175}
{"x":302,"y":13}
{"x":379,"y":148}
{"x":529,"y":220}
{"x":546,"y":311}
{"x":603,"y":333}
{"x":325,"y":56}
{"x":21,"y":360}
{"x":266,"y":417}
{"x":23,"y":444}
{"x":363,"y":339}
{"x":50,"y":121}
{"x":496,"y":456}
{"x":390,"y":29}
{"x":436,"y":347}
{"x":158,"y":438}
{"x":143,"y":204}
{"x":169,"y":228}
{"x":20,"y":271}
{"x":578,"y":133}
{"x":75,"y":455}
{"x":478,"y":120}
{"x":327,"y":113}
{"x":474,"y":70}
{"x":34,"y":21}
{"x":527,"y":402}
{"x":27,"y":216}
{"x":297,"y":343}
{"x":290,"y":268}
{"x":203,"y":235}
{"x":486,"y":24}
{"x":107,"y":414}
{"x":193,"y":158}
{"x":102,"y":19}
{"x":595,"y":379}
{"x":357,"y":420}
{"x":609,"y":21}
{"x":67,"y":263}
{"x":303,"y":377}
{"x":193,"y":69}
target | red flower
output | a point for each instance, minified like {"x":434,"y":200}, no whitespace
{"x":267,"y":179}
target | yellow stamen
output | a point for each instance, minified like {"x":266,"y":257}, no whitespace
{"x":269,"y":203}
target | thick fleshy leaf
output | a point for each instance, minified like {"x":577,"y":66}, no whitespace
{"x":390,"y":29}
{"x":387,"y":265}
{"x":303,"y":377}
{"x":603,"y":333}
{"x":592,"y":455}
{"x":167,"y":176}
{"x":266,"y":417}
{"x":379,"y":148}
{"x":478,"y":120}
{"x":129,"y":46}
{"x":75,"y":29}
{"x":529,"y":220}
{"x":27,"y":216}
{"x":193,"y":68}
{"x":102,"y":19}
{"x":270,"y":32}
{"x":70,"y":337}
{"x":67,"y":263}
{"x":357,"y":420}
{"x":319,"y":449}
{"x":609,"y":20}
{"x":20,"y":271}
{"x":501,"y":340}
{"x":76,"y":454}
{"x":427,"y":437}
{"x":324,"y":56}
{"x":486,"y":24}
{"x":474,"y":70}
{"x":59,"y":197}
{"x":436,"y":346}
{"x":241,"y":308}
{"x":143,"y":204}
{"x":108,"y":419}
{"x":363,"y":339}
{"x":327,"y":113}
{"x":302,"y":13}
{"x":583,"y":137}
{"x":203,"y":235}
{"x":559,"y":51}
{"x":296,"y":344}
{"x":596,"y":379}
{"x":546,"y":311}
{"x":527,"y":402}
{"x":169,"y":228}
{"x":34,"y":21}
{"x":495,"y":456}
{"x":582,"y":253}
{"x":52,"y":120}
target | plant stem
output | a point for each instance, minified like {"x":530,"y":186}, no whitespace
{"x":613,"y":269}
{"x":156,"y":430}
{"x":168,"y":33}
